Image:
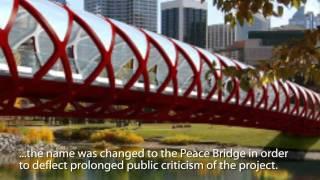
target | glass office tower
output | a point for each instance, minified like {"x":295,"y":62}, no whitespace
{"x":185,"y":20}
{"x":60,"y":1}
{"x":140,"y":13}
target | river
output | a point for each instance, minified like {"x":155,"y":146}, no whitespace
{"x":305,"y":170}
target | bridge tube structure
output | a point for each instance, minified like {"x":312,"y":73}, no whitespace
{"x":56,"y":61}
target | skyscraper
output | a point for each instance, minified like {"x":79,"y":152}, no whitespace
{"x":185,"y":20}
{"x":260,"y":24}
{"x":140,"y":13}
{"x":220,"y":36}
{"x":307,"y":20}
{"x":60,"y":1}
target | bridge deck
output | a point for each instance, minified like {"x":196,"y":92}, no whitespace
{"x":57,"y":61}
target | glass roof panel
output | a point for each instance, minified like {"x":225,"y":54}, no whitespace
{"x":136,"y":36}
{"x":210,"y":57}
{"x":317,"y":96}
{"x":100,"y":26}
{"x":166,"y":45}
{"x":55,"y":15}
{"x":302,"y":90}
{"x":5,"y":13}
{"x":311,"y":94}
{"x":294,"y":87}
{"x":226,"y":60}
{"x":242,"y":65}
{"x":285,"y":85}
{"x":191,"y":52}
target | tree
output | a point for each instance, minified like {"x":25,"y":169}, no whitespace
{"x":290,"y":60}
{"x":242,"y":10}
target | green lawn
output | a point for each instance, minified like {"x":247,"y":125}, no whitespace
{"x":218,"y":134}
{"x":231,"y":135}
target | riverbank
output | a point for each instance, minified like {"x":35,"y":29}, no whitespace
{"x":11,"y":146}
{"x":205,"y":137}
{"x":155,"y":145}
{"x":292,"y":155}
{"x":208,"y":134}
{"x":229,"y":135}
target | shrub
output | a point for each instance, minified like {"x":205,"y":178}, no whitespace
{"x":66,"y":133}
{"x":35,"y":135}
{"x":3,"y":126}
{"x":81,"y":134}
{"x":179,"y":140}
{"x":116,"y":136}
{"x":63,"y":133}
{"x":31,"y":136}
{"x":10,"y":130}
{"x":73,"y":134}
{"x":46,"y":135}
{"x":103,"y":145}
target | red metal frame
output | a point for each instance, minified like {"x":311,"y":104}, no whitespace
{"x":102,"y":102}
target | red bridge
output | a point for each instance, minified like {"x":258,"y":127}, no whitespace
{"x":63,"y":62}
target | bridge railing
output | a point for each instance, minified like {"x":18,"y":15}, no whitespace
{"x":55,"y":43}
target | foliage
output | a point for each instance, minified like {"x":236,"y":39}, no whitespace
{"x":103,"y":145}
{"x":73,"y":134}
{"x":116,"y":136}
{"x":242,"y":11}
{"x":231,"y":136}
{"x":299,"y":58}
{"x":291,"y":60}
{"x":12,"y":130}
{"x":178,"y":140}
{"x":5,"y":129}
{"x":64,"y":133}
{"x":3,"y":126}
{"x":35,"y":135}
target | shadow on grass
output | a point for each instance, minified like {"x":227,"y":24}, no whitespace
{"x":293,"y":143}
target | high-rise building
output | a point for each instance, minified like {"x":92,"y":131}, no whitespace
{"x":318,"y":21}
{"x":220,"y":36}
{"x":307,"y":20}
{"x":260,"y":44}
{"x":278,"y":36}
{"x":260,"y":24}
{"x":60,"y":1}
{"x":140,"y":13}
{"x":185,"y":20}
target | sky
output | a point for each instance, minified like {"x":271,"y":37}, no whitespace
{"x":216,"y":17}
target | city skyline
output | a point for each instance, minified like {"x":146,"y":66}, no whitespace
{"x":185,"y":21}
{"x":213,"y":13}
{"x":94,"y":93}
{"x":139,"y":13}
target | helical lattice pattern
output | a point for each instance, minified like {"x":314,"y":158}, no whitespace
{"x":59,"y":61}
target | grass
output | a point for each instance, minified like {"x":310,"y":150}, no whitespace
{"x":34,"y":135}
{"x":76,"y":134}
{"x":87,"y":126}
{"x":116,"y":136}
{"x":206,"y":133}
{"x":30,"y":135}
{"x":231,"y":135}
{"x":5,"y":129}
{"x":179,"y":140}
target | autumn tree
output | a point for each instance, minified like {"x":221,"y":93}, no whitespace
{"x":290,"y":60}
